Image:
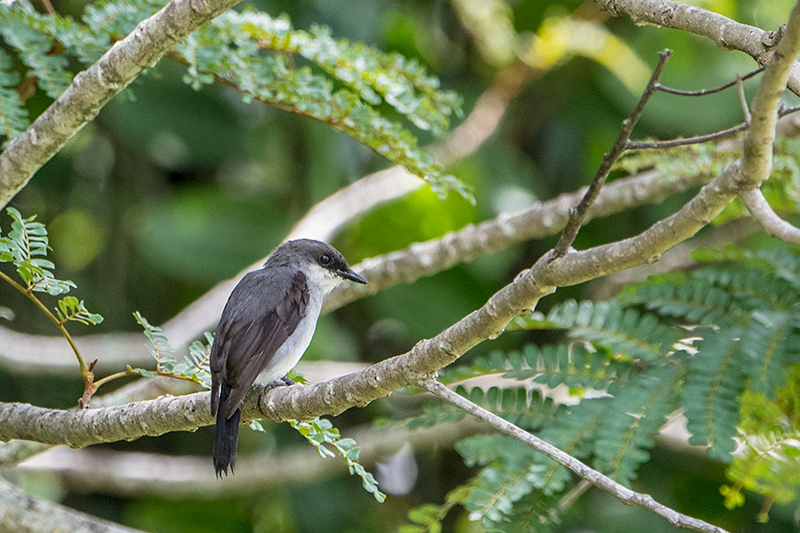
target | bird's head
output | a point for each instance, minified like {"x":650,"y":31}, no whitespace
{"x":319,"y":261}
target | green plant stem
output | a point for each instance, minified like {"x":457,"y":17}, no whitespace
{"x":60,"y":325}
{"x":124,"y":373}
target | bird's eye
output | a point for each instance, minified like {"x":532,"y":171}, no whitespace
{"x":324,"y":259}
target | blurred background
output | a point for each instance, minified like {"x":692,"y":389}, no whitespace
{"x":170,"y":191}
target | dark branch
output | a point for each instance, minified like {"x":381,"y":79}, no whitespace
{"x":704,"y":92}
{"x":578,"y":214}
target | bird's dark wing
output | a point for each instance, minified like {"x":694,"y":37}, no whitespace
{"x":254,"y":325}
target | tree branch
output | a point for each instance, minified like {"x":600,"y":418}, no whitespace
{"x":138,"y":474}
{"x":35,"y":354}
{"x":96,"y":86}
{"x":578,"y":214}
{"x":764,"y":109}
{"x":623,"y":494}
{"x":20,"y":513}
{"x":769,"y":220}
{"x":726,"y":33}
{"x":77,"y":429}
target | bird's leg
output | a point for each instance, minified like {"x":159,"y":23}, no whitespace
{"x":284,"y":381}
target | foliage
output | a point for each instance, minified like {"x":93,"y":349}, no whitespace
{"x":707,"y":340}
{"x":250,"y":52}
{"x":25,"y":247}
{"x":320,"y":432}
{"x":195,"y":366}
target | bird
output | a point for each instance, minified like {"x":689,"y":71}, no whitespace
{"x":265,"y":327}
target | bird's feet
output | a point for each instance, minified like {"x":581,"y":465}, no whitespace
{"x":284,"y":381}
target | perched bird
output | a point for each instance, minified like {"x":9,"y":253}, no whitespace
{"x":266,"y":327}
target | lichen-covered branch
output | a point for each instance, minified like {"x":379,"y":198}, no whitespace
{"x":82,"y":428}
{"x":97,"y":85}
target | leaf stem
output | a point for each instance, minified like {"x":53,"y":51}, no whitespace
{"x":86,"y":370}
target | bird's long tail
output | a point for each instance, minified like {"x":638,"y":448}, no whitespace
{"x":226,"y":435}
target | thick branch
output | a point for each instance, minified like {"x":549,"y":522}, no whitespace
{"x":20,"y":513}
{"x":625,"y":495}
{"x":97,"y":85}
{"x":761,"y":134}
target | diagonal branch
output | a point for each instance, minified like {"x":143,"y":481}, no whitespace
{"x":578,"y":215}
{"x":23,"y":353}
{"x":623,"y":494}
{"x":185,"y":413}
{"x":97,"y":85}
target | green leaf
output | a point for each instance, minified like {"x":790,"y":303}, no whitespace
{"x":34,"y":47}
{"x":712,"y":392}
{"x":319,"y":432}
{"x":70,"y":308}
{"x":160,"y":348}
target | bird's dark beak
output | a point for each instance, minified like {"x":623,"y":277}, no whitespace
{"x":352,"y":276}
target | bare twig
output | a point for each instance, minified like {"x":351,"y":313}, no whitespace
{"x":625,"y":495}
{"x":743,"y":101}
{"x":769,"y":220}
{"x":660,"y":145}
{"x":578,"y":215}
{"x":704,"y":92}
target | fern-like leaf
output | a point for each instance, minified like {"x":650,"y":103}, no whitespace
{"x":25,"y":247}
{"x":70,"y":308}
{"x":712,"y":392}
{"x":692,"y":300}
{"x":623,"y":332}
{"x":160,"y":348}
{"x":13,"y":116}
{"x":524,"y":408}
{"x":320,"y":432}
{"x":34,"y":48}
{"x":637,"y":411}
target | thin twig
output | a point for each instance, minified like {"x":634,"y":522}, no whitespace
{"x":658,"y":145}
{"x":578,"y":215}
{"x":60,"y":325}
{"x":625,"y":495}
{"x":704,"y":92}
